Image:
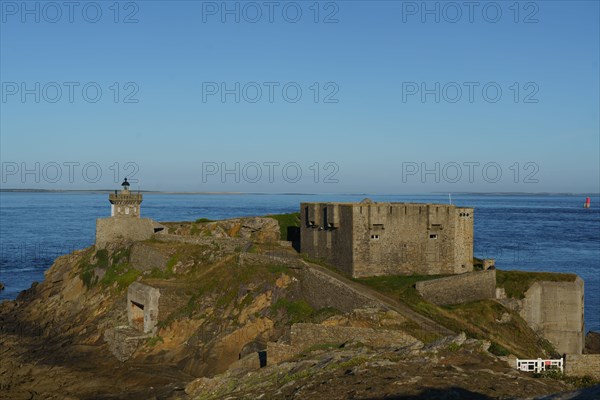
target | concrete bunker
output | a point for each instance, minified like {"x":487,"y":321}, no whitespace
{"x":142,"y":307}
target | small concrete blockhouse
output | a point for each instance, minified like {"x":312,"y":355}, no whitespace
{"x":368,"y":238}
{"x":142,"y":312}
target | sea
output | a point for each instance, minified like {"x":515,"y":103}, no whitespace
{"x":521,"y":232}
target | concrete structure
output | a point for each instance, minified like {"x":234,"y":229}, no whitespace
{"x":583,"y":365}
{"x":125,"y":224}
{"x":142,"y":307}
{"x":555,"y":310}
{"x":123,"y":230}
{"x":368,"y":238}
{"x":459,"y":288}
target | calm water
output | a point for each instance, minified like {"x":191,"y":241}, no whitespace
{"x":531,"y":233}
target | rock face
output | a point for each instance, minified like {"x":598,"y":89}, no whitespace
{"x":123,"y":341}
{"x":592,"y":342}
{"x":258,"y":229}
{"x":454,"y":369}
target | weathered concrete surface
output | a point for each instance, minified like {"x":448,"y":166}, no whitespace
{"x":146,"y":258}
{"x":582,"y":365}
{"x":555,"y":310}
{"x":368,"y":239}
{"x":459,"y":288}
{"x":142,"y":307}
{"x":322,"y":290}
{"x":122,"y":230}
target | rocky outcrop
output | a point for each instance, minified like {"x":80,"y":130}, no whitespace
{"x":592,"y":342}
{"x":123,"y":341}
{"x":454,"y":368}
{"x":250,"y":322}
{"x":257,"y":229}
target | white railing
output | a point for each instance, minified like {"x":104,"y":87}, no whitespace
{"x":539,"y":365}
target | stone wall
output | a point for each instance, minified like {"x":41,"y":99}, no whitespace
{"x":303,"y":336}
{"x":459,"y":288}
{"x":369,"y":239}
{"x":321,"y":290}
{"x":582,"y":365}
{"x":145,"y":258}
{"x":122,"y":229}
{"x":555,"y":310}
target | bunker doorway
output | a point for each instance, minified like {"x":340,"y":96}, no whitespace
{"x":137,"y":316}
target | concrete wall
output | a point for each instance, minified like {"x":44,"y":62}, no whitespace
{"x":320,"y":291}
{"x":582,"y":365}
{"x":321,"y":235}
{"x":122,"y":229}
{"x":555,"y":310}
{"x":142,"y":301}
{"x":368,"y":239}
{"x":459,"y":288}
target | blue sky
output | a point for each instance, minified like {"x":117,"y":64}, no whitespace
{"x":363,"y":120}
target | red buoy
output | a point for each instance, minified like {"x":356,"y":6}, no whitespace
{"x":587,"y":203}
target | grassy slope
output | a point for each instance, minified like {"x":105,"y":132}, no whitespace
{"x":479,"y":319}
{"x":516,"y":283}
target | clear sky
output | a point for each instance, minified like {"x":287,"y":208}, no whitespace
{"x":481,"y":96}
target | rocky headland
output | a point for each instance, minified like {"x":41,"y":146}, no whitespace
{"x":242,"y":315}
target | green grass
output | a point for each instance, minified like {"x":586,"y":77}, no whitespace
{"x":498,"y":350}
{"x":153,"y":341}
{"x":202,"y":220}
{"x":322,"y":346}
{"x":278,"y":269}
{"x":296,"y":311}
{"x":167,"y":273}
{"x":516,"y":283}
{"x":102,"y":258}
{"x":285,"y":221}
{"x":122,"y":274}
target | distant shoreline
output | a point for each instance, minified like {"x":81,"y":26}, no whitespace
{"x":103,"y":191}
